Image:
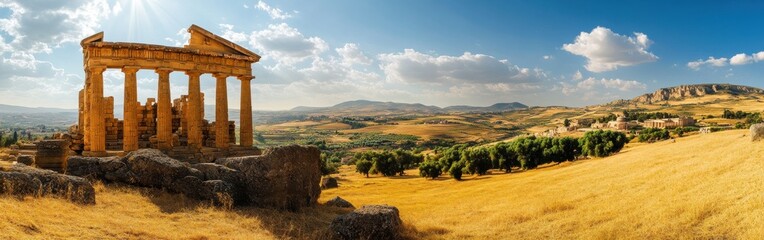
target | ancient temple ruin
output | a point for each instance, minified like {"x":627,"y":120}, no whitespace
{"x":174,"y":126}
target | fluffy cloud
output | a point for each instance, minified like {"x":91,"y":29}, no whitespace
{"x":230,"y":34}
{"x":414,"y":67}
{"x":607,"y":50}
{"x":741,"y":59}
{"x":286,"y":44}
{"x":577,"y":76}
{"x":351,"y":55}
{"x":39,"y":26}
{"x":274,"y":13}
{"x":738,"y":59}
{"x":184,"y":36}
{"x":711,"y":61}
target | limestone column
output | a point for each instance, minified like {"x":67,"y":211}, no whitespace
{"x":221,"y":111}
{"x":130,"y":124}
{"x":245,"y":120}
{"x":85,"y":129}
{"x":164,"y":110}
{"x":194,"y":114}
{"x":97,"y":127}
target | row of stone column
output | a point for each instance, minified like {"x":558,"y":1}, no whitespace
{"x":95,"y":135}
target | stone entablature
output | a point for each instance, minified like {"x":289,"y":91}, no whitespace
{"x":206,"y":53}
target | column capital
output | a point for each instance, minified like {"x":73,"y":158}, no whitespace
{"x":220,"y":75}
{"x":194,"y":73}
{"x":163,"y":70}
{"x":245,"y":78}
{"x":130,"y":69}
{"x":98,"y":69}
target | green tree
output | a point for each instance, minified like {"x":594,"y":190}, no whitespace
{"x":429,"y":169}
{"x":478,"y":160}
{"x":363,"y":166}
{"x":566,"y":122}
{"x":602,"y":143}
{"x":456,"y":170}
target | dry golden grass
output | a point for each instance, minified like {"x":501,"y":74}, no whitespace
{"x":458,"y":131}
{"x":702,"y":186}
{"x":132,"y":213}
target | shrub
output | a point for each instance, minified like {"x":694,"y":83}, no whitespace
{"x":602,"y":143}
{"x":429,"y":169}
{"x":654,"y":134}
{"x":478,"y":160}
{"x":456,"y":170}
{"x":363,"y":167}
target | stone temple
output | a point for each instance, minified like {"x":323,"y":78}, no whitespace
{"x":175,"y":126}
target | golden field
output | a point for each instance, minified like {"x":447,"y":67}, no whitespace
{"x":701,"y":186}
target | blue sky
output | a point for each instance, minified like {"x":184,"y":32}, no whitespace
{"x":319,"y":53}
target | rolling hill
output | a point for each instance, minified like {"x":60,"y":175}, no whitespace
{"x":691,"y":91}
{"x":366,"y":106}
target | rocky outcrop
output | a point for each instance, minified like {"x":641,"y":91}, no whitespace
{"x":698,"y":90}
{"x":21,"y":180}
{"x":284,"y":177}
{"x":757,"y":132}
{"x":329,"y":182}
{"x":368,"y":222}
{"x":339,"y":202}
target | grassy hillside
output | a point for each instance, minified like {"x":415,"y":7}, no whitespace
{"x":707,"y":186}
{"x":702,"y":186}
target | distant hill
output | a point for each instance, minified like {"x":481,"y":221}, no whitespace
{"x":499,"y":107}
{"x":358,"y":106}
{"x":697,"y":90}
{"x":4,"y":108}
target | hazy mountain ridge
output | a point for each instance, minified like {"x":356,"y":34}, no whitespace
{"x":5,"y":108}
{"x":376,"y":106}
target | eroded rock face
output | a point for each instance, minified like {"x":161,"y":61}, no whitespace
{"x":21,"y":180}
{"x":757,"y":131}
{"x":368,"y":222}
{"x":698,"y":90}
{"x":284,"y":177}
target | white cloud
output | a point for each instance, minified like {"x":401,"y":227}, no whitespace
{"x":116,"y":9}
{"x":758,"y":56}
{"x":274,"y":13}
{"x":286,"y":44}
{"x":607,"y":50}
{"x":411,"y":66}
{"x":231,"y":35}
{"x":184,"y":36}
{"x":741,"y":59}
{"x":39,"y":26}
{"x":578,"y":76}
{"x":711,"y":61}
{"x":351,"y":55}
{"x":547,"y":57}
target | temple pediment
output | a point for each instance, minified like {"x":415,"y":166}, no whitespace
{"x":205,"y":40}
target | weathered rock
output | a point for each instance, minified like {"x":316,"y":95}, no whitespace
{"x":284,"y":177}
{"x":151,"y":168}
{"x":368,"y":222}
{"x":25,"y":159}
{"x":19,"y":184}
{"x":212,"y":171}
{"x":94,"y":167}
{"x":24,"y":180}
{"x":52,"y":153}
{"x":339,"y":202}
{"x":329,"y":182}
{"x":757,"y":131}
